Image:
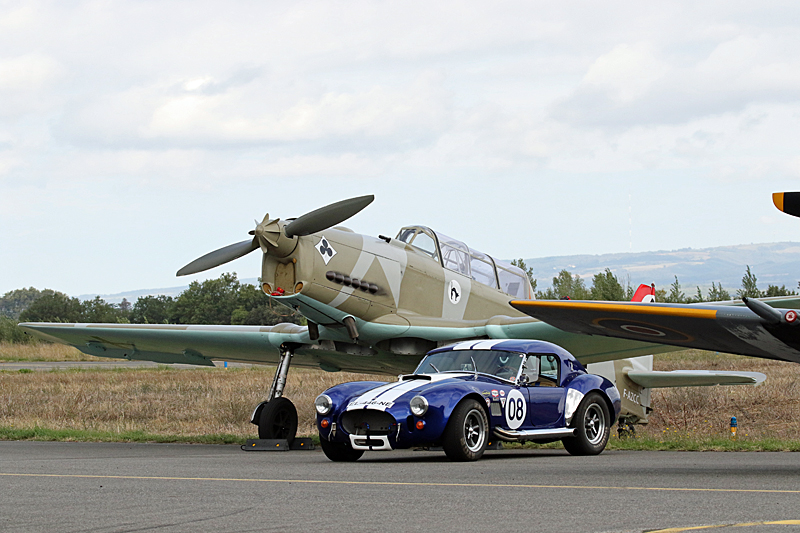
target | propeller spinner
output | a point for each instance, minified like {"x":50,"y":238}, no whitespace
{"x":270,"y":232}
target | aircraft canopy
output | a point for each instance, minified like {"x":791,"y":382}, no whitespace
{"x":456,"y":256}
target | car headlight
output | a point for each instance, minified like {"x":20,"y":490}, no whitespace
{"x":323,"y":404}
{"x":419,"y":405}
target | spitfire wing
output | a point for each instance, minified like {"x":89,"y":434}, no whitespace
{"x":725,"y":328}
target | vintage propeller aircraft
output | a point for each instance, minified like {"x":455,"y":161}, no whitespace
{"x":373,"y":305}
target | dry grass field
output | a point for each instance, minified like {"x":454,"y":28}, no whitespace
{"x":770,"y":410}
{"x":42,"y":352}
{"x":219,"y":401}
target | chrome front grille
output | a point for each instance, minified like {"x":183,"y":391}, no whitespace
{"x":363,"y":421}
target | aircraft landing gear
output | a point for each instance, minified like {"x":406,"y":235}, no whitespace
{"x":276,"y":417}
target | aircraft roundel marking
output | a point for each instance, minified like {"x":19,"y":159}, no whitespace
{"x":516,"y":408}
{"x":790,"y":316}
{"x":454,"y":292}
{"x":642,"y":330}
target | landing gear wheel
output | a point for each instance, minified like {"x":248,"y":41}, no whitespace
{"x":591,"y":423}
{"x":467,"y":433}
{"x":278,"y":420}
{"x":339,"y":451}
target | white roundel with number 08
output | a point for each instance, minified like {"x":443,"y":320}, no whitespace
{"x":516,"y":409}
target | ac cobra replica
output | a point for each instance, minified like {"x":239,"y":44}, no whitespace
{"x":462,"y":396}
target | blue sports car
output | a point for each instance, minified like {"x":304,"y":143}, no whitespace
{"x":464,"y":395}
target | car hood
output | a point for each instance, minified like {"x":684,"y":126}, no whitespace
{"x":383,"y":397}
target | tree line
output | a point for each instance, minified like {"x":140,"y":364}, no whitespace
{"x":607,"y":286}
{"x":224,"y":300}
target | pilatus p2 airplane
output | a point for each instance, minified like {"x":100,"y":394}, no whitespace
{"x":377,"y":305}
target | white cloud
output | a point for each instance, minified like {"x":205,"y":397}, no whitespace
{"x":183,"y":108}
{"x":26,"y":73}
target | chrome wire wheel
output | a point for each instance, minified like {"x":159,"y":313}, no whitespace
{"x":474,"y":430}
{"x":594,"y":423}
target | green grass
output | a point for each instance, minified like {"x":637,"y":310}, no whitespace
{"x":76,"y":435}
{"x":716,"y":444}
{"x":705,"y":444}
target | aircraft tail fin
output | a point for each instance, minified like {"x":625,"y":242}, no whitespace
{"x":645,"y":293}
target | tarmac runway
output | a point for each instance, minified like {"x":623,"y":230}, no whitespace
{"x":142,"y":487}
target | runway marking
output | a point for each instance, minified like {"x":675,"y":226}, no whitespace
{"x":404,"y":483}
{"x":744,"y":524}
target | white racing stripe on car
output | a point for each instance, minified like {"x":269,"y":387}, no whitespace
{"x":478,"y":345}
{"x":383,"y":397}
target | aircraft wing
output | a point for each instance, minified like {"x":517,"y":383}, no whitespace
{"x":758,"y":329}
{"x":693,"y":378}
{"x":168,"y":343}
{"x":204,"y":344}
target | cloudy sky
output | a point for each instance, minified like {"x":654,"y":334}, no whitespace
{"x":136,"y":136}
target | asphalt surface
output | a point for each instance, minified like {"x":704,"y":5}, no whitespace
{"x":143,"y":487}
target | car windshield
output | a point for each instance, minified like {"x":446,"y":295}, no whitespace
{"x":504,"y":365}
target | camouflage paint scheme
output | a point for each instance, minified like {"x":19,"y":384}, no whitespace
{"x":410,"y":314}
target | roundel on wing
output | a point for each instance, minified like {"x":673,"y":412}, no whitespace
{"x":643,"y":330}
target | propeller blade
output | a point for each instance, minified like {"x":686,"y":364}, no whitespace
{"x":220,"y":257}
{"x":326,"y":217}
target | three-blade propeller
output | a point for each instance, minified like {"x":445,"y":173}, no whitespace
{"x":269,"y":231}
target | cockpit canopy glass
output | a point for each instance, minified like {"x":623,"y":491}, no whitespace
{"x":513,"y":280}
{"x":504,"y":365}
{"x":455,"y":254}
{"x":458,"y":257}
{"x":420,"y":238}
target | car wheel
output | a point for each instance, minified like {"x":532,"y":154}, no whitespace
{"x":278,"y":420}
{"x":339,"y":451}
{"x":467,"y":432}
{"x":592,"y":427}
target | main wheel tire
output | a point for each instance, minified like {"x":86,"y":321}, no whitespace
{"x":339,"y":451}
{"x":592,"y":423}
{"x":278,"y":420}
{"x":467,"y":432}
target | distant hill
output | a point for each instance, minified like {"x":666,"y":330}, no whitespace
{"x":773,"y":264}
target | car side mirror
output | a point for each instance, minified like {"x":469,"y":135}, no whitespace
{"x":523,"y":379}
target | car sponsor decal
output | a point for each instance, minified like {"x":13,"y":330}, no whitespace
{"x":495,"y":394}
{"x":383,"y":397}
{"x":485,"y":393}
{"x":502,"y":393}
{"x":503,"y":402}
{"x":516,"y":409}
{"x":488,"y":402}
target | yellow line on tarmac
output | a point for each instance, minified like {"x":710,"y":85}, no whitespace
{"x":744,"y":524}
{"x":399,"y":483}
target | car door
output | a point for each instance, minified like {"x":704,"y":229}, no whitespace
{"x":545,"y":397}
